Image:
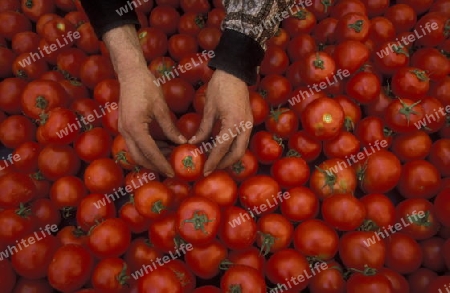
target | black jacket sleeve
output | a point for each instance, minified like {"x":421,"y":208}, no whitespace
{"x":105,"y":15}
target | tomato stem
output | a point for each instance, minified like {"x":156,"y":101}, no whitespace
{"x":368,"y":225}
{"x":420,"y":74}
{"x":330,"y":178}
{"x":238,"y":167}
{"x":348,"y":124}
{"x":318,"y":63}
{"x":293,"y":153}
{"x":37,"y":176}
{"x":200,"y":21}
{"x":357,"y":25}
{"x":407,"y":110}
{"x":41,"y":102}
{"x":225,"y":264}
{"x":424,"y":221}
{"x":67,"y":212}
{"x":267,"y":241}
{"x":366,"y":272}
{"x":234,"y":288}
{"x":158,"y":207}
{"x":188,"y":162}
{"x":23,"y":211}
{"x":447,"y":28}
{"x":178,"y":241}
{"x":29,"y":4}
{"x":122,"y":157}
{"x":326,"y":3}
{"x":78,"y":232}
{"x":301,"y":14}
{"x":123,"y":278}
{"x":400,"y":49}
{"x":199,"y":221}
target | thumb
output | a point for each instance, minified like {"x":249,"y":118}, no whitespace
{"x":204,"y":128}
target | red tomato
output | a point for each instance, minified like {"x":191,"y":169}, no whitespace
{"x":403,"y":253}
{"x":380,"y":210}
{"x":111,"y":275}
{"x":439,"y":156}
{"x":352,"y":26}
{"x":329,"y":280}
{"x":242,"y":278}
{"x":198,"y":220}
{"x":258,"y":194}
{"x":412,"y":146}
{"x":10,"y":93}
{"x":17,"y":188}
{"x":70,"y":268}
{"x":290,"y":172}
{"x":110,"y":238}
{"x":7,"y":276}
{"x":364,"y":87}
{"x":431,"y":29}
{"x":391,"y":56}
{"x":93,"y":144}
{"x":152,"y":199}
{"x":341,"y":147}
{"x":238,"y":230}
{"x":301,"y":205}
{"x":153,"y":42}
{"x":275,"y":61}
{"x":369,"y":282}
{"x":308,"y":147}
{"x":360,"y":248}
{"x":13,"y":22}
{"x":93,"y":209}
{"x":275,"y":89}
{"x":103,"y":176}
{"x":246,"y":167}
{"x":419,"y":179}
{"x":274,"y":233}
{"x":410,"y":83}
{"x":343,"y":212}
{"x":188,"y":162}
{"x":402,"y":16}
{"x":433,"y":250}
{"x":316,"y":238}
{"x":204,"y":261}
{"x":251,"y":257}
{"x":56,"y":161}
{"x":133,"y":219}
{"x":219,"y":187}
{"x":266,"y":147}
{"x":94,"y":69}
{"x":17,"y":223}
{"x":350,"y":55}
{"x":300,"y":21}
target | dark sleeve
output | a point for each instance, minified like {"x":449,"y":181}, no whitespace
{"x":247,"y":26}
{"x":105,"y":15}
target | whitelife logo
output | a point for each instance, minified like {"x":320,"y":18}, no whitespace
{"x":131,"y":5}
{"x":438,"y":113}
{"x":53,"y":47}
{"x":306,"y":275}
{"x":317,"y":88}
{"x":405,"y":222}
{"x":11,"y":159}
{"x":219,"y":139}
{"x":415,"y":35}
{"x":205,"y":56}
{"x":85,"y":121}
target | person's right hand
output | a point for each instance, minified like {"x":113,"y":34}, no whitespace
{"x":141,"y":102}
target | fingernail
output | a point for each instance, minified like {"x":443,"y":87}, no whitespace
{"x":182,"y":138}
{"x":192,"y":139}
{"x":206,"y":173}
{"x":170,"y":175}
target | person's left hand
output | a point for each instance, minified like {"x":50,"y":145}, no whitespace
{"x":227,"y":99}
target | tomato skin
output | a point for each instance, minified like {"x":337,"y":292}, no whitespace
{"x":204,"y":261}
{"x":356,"y":250}
{"x":419,"y":179}
{"x":368,"y":283}
{"x":402,"y":16}
{"x":67,"y":191}
{"x":412,"y":146}
{"x":371,"y":180}
{"x":403,"y":253}
{"x":329,"y":280}
{"x":16,"y":188}
{"x":11,"y":89}
{"x":439,"y":156}
{"x":300,"y":21}
{"x":306,"y":145}
{"x":287,"y":263}
{"x":140,"y":253}
{"x":301,"y":205}
{"x":433,"y":249}
{"x":134,"y":220}
{"x":93,"y":144}
{"x":323,"y":118}
{"x":410,"y":83}
{"x":198,"y":220}
{"x":103,"y":176}
{"x":250,"y":257}
{"x":322,"y":241}
{"x":380,"y":209}
{"x":217,"y":186}
{"x":245,"y":278}
{"x":242,"y":234}
{"x":92,"y":210}
{"x":343,"y":211}
{"x":432,"y":61}
{"x":329,"y":178}
{"x":35,"y":286}
{"x":45,"y":212}
{"x":371,"y":130}
{"x":394,"y":60}
{"x":152,"y":199}
{"x":246,"y":167}
{"x":15,"y":130}
{"x":162,"y":232}
{"x":162,"y":279}
{"x":118,"y":237}
{"x":275,"y":89}
{"x":187,"y":162}
{"x":109,"y":275}
{"x":282,"y":122}
{"x":352,"y":26}
{"x":341,"y":147}
{"x":13,"y":22}
{"x":71,"y":235}
{"x":442,"y":207}
{"x":350,"y":55}
{"x":364,"y":87}
{"x":7,"y":276}
{"x":274,"y":233}
{"x":341,"y":8}
{"x":258,"y":191}
{"x":70,"y":268}
{"x":398,"y":281}
{"x":266,"y":147}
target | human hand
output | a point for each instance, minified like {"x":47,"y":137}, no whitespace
{"x":142,"y":101}
{"x":227,"y":99}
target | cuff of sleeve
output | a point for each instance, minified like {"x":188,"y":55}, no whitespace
{"x":239,"y":55}
{"x":101,"y":30}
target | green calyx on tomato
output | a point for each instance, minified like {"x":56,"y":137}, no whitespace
{"x":293,"y":153}
{"x":326,"y":3}
{"x":199,"y":221}
{"x":368,"y":225}
{"x":407,"y":110}
{"x":29,"y":4}
{"x":158,"y":207}
{"x":420,"y":74}
{"x":357,"y":26}
{"x":234,"y":288}
{"x":41,"y":102}
{"x":267,"y":241}
{"x":301,"y":14}
{"x":330,"y":177}
{"x":318,"y":63}
{"x":424,"y":221}
{"x":238,"y":167}
{"x":122,"y":278}
{"x":188,"y":163}
{"x":23,"y":211}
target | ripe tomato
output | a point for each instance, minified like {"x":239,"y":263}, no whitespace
{"x":329,"y":280}
{"x":188,"y":162}
{"x":439,"y":156}
{"x":380,"y":210}
{"x":39,"y":96}
{"x":398,"y":281}
{"x":330,"y":178}
{"x":402,"y":16}
{"x":93,"y":209}
{"x":244,"y":279}
{"x":410,"y":83}
{"x":307,"y":146}
{"x":390,"y":57}
{"x":275,"y":89}
{"x":140,"y":253}
{"x":153,"y":42}
{"x":17,"y":188}
{"x":204,"y":261}
{"x":315,"y":238}
{"x":178,"y":94}
{"x":45,"y":212}
{"x":318,"y":68}
{"x":280,"y":39}
{"x":238,"y":229}
{"x":257,"y":193}
{"x":34,"y":10}
{"x":381,"y":29}
{"x":369,"y":282}
{"x":152,"y":199}
{"x":274,"y":233}
{"x":275,"y":61}
{"x":56,"y":161}
{"x":290,"y":172}
{"x":70,"y":268}
{"x":198,"y":220}
{"x":94,"y":69}
{"x":163,"y":279}
{"x":246,"y":167}
{"x":352,"y":26}
{"x":93,"y":144}
{"x":132,"y":218}
{"x":72,"y":235}
{"x":111,"y":275}
{"x":110,"y":238}
{"x":10,"y":93}
{"x":17,"y":222}
{"x":434,"y":35}
{"x":25,"y":42}
{"x":364,"y":87}
{"x":371,"y":130}
{"x":419,"y":179}
{"x":121,"y":154}
{"x":23,"y":70}
{"x":343,"y":211}
{"x":103,"y":176}
{"x":180,"y":45}
{"x":13,"y":22}
{"x":300,"y":21}
{"x":342,"y":146}
{"x":27,"y":285}
{"x":360,"y":248}
{"x":403,"y":253}
{"x":219,"y":187}
{"x":7,"y":276}
{"x":371,"y":180}
{"x":282,"y":122}
{"x":164,"y":18}
{"x":59,"y":126}
{"x":412,"y":146}
{"x":250,"y":257}
{"x":433,"y":250}
{"x":300,"y":47}
{"x":107,"y":90}
{"x":350,"y":55}
{"x":286,"y":264}
{"x":301,"y":205}
{"x":266,"y":147}
{"x":323,"y":118}
{"x":431,"y":61}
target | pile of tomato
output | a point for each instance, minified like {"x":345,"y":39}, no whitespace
{"x":351,"y":176}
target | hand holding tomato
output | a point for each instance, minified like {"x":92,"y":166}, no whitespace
{"x":227,"y":99}
{"x":141,"y":101}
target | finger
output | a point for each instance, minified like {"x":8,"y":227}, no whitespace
{"x":237,"y":150}
{"x":170,"y":130}
{"x":149,"y":149}
{"x":137,"y":155}
{"x":219,"y":151}
{"x":205,"y":127}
